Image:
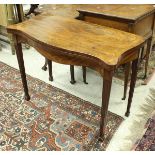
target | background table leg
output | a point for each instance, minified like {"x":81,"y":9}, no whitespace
{"x":84,"y":75}
{"x":132,"y":85}
{"x":127,"y":73}
{"x":49,"y":62}
{"x":147,"y":55}
{"x":105,"y":101}
{"x":19,"y":53}
{"x":141,"y":54}
{"x":45,"y":65}
{"x":72,"y":74}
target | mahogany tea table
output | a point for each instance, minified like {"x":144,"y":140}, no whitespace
{"x":70,"y":41}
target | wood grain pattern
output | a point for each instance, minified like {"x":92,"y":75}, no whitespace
{"x":106,"y":22}
{"x":64,"y":10}
{"x":75,"y":42}
{"x":125,"y":12}
{"x":103,"y":43}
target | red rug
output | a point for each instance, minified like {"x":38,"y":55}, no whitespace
{"x":52,"y":120}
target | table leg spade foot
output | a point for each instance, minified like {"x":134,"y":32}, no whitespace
{"x":72,"y":81}
{"x":27,"y":97}
{"x":85,"y":82}
{"x":44,"y":68}
{"x":127,"y":114}
{"x":50,"y":78}
{"x":124,"y":97}
{"x":45,"y":65}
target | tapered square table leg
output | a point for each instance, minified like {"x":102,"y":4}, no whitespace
{"x":107,"y":81}
{"x":72,"y":74}
{"x":126,"y":79}
{"x":84,"y":74}
{"x":132,"y":85}
{"x":147,"y":56}
{"x":49,"y":62}
{"x":19,"y":53}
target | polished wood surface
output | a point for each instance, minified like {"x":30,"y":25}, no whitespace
{"x":70,"y":41}
{"x":93,"y":39}
{"x":125,"y":12}
{"x":64,"y":10}
{"x":137,"y":19}
{"x":70,"y":10}
{"x":61,"y":10}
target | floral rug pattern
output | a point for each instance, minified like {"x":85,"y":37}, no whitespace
{"x":52,"y":120}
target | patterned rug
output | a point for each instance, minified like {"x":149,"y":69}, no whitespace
{"x":119,"y":74}
{"x":52,"y":120}
{"x":147,"y":142}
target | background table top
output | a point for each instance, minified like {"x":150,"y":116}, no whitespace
{"x":131,"y":12}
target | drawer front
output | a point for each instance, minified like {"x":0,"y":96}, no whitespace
{"x":107,"y":22}
{"x":144,"y":26}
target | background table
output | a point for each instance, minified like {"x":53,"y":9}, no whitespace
{"x":137,"y":19}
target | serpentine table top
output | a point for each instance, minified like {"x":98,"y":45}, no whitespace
{"x":70,"y":41}
{"x":107,"y":45}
